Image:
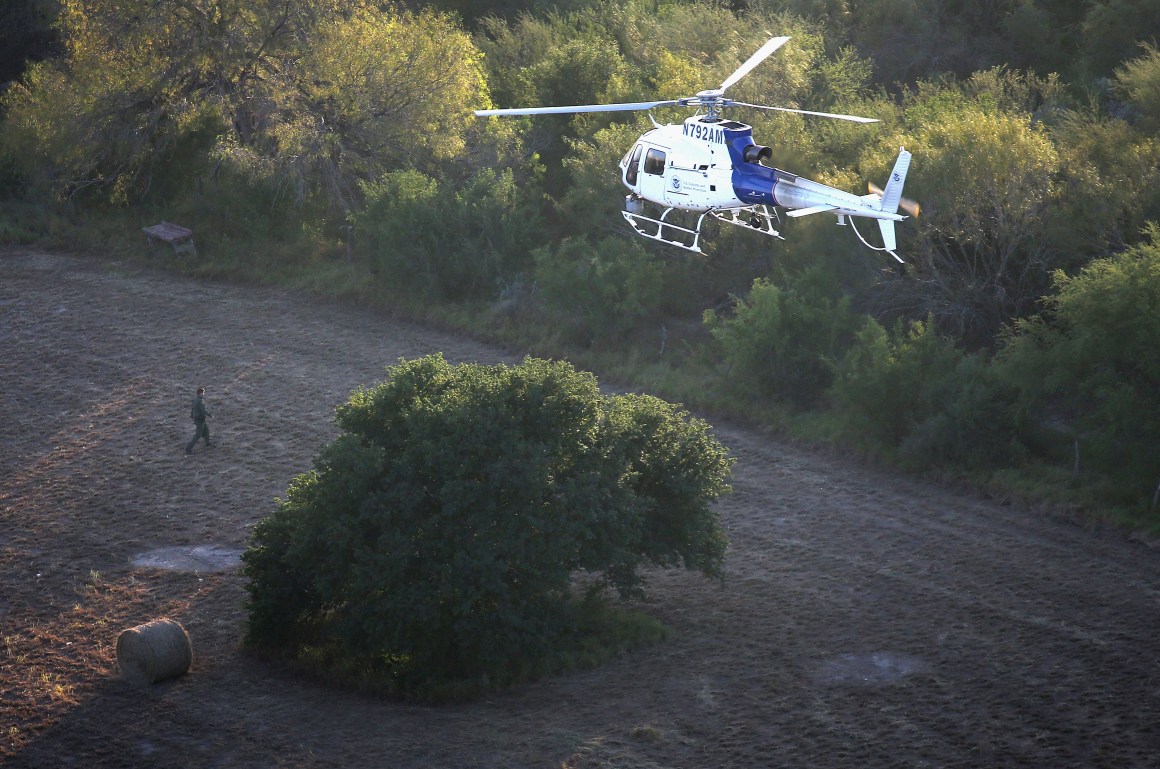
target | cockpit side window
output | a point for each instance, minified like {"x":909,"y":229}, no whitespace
{"x":630,"y":173}
{"x":654,"y":162}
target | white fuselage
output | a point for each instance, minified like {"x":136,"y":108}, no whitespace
{"x":704,"y":165}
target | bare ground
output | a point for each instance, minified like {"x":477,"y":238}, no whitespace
{"x":867,"y":620}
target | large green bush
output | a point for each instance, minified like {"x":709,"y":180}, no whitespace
{"x":451,"y":243}
{"x":889,"y":382}
{"x":779,"y":341}
{"x":599,"y":291}
{"x":1090,"y":364}
{"x":912,"y":394}
{"x":437,"y":538}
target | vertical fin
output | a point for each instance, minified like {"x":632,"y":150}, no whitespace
{"x":893,"y":192}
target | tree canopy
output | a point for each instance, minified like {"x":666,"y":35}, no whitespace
{"x":1090,"y":362}
{"x":438,"y":536}
{"x":322,"y":93}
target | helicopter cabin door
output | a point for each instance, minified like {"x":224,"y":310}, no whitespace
{"x":631,"y":164}
{"x":652,"y":174}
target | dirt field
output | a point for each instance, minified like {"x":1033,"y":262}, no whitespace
{"x":867,"y":620}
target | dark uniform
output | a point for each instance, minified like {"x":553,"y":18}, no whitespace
{"x":199,"y":414}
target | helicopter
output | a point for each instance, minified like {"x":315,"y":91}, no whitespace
{"x":711,"y":166}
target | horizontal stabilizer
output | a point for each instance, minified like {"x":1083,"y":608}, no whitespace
{"x":811,"y":210}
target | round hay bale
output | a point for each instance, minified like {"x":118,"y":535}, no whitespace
{"x":153,"y":652}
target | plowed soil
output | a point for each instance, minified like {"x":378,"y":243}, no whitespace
{"x":866,"y":619}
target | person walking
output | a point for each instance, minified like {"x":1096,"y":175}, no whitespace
{"x":199,"y":414}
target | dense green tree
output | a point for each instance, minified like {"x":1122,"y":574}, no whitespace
{"x":1038,"y":38}
{"x":437,"y":538}
{"x":559,"y":60}
{"x":1139,"y":81}
{"x":639,"y":51}
{"x":592,"y":201}
{"x":1109,"y":183}
{"x":599,"y":290}
{"x":778,"y":342}
{"x":322,"y":93}
{"x":1113,"y":29}
{"x":1089,"y":363}
{"x":910,"y":393}
{"x":917,"y":39}
{"x":510,"y":46}
{"x":920,"y":39}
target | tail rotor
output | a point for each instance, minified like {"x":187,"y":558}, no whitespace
{"x":911,"y":206}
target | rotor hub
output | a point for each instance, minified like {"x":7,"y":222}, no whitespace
{"x":712,"y":100}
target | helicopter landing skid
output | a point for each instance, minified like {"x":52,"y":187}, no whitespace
{"x":756,"y":218}
{"x":686,"y":238}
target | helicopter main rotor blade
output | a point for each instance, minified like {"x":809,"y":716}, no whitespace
{"x":626,"y":107}
{"x":853,"y":118}
{"x":762,"y":54}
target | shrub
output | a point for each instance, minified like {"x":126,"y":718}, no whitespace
{"x":452,"y":243}
{"x":599,"y":291}
{"x":1139,"y":80}
{"x":778,"y":341}
{"x":976,"y":426}
{"x":1090,"y":362}
{"x":988,"y":182}
{"x":914,"y":395}
{"x":436,"y":539}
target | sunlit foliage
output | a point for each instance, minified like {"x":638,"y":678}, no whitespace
{"x":1110,"y":185}
{"x":987,"y":178}
{"x":1139,"y":81}
{"x":321,"y":92}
